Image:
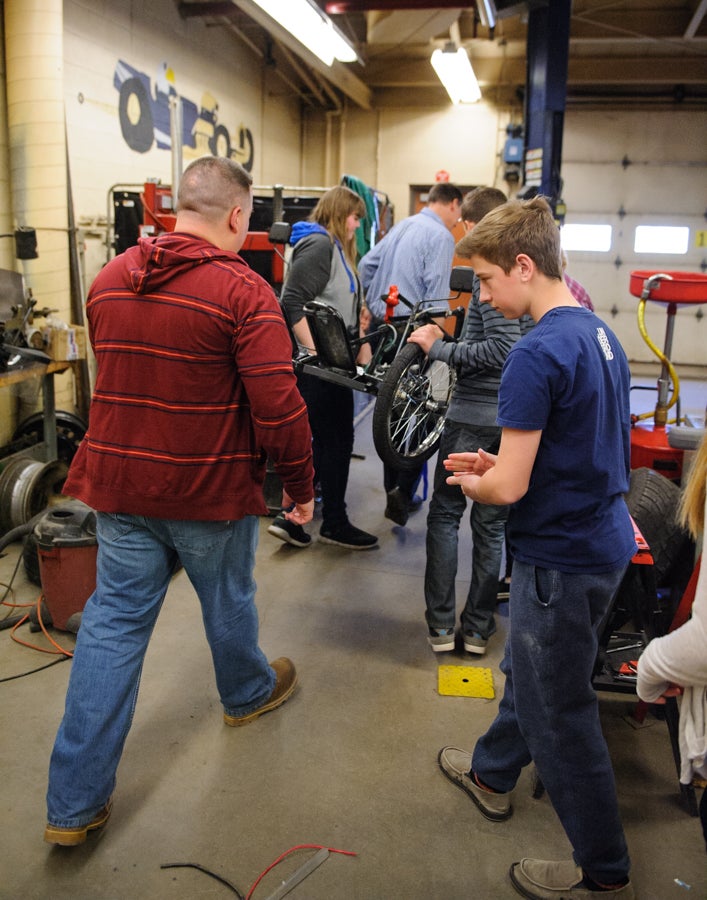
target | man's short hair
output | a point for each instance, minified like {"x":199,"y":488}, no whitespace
{"x":517,"y":227}
{"x":444,"y":192}
{"x":479,"y":202}
{"x":212,"y":185}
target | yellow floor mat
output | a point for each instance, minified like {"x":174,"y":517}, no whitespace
{"x":465,"y":681}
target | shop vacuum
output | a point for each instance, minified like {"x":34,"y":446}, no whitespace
{"x":65,"y":537}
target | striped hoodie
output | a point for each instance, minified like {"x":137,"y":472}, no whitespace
{"x":194,"y":387}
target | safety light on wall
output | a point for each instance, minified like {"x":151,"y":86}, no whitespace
{"x":311,"y":27}
{"x":454,"y":71}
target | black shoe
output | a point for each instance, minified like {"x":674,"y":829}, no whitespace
{"x":504,"y":590}
{"x":289,"y":532}
{"x":397,"y":507}
{"x":348,"y":536}
{"x":416,"y":503}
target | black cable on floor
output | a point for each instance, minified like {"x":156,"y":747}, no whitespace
{"x":32,"y":671}
{"x":206,"y":872}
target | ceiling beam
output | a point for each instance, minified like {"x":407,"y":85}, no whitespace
{"x":635,"y":71}
{"x":600,"y":70}
{"x":653,"y":24}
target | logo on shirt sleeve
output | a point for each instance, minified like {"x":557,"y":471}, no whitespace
{"x":604,"y":343}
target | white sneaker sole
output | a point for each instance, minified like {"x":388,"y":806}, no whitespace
{"x":326,"y":540}
{"x":442,"y":648}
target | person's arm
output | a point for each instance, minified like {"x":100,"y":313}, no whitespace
{"x":365,"y":320}
{"x":308,"y":276}
{"x":303,"y":334}
{"x":427,"y":337}
{"x":483,"y":345}
{"x":438,"y":258}
{"x":263,"y":353}
{"x":498,"y":480}
{"x":367,"y":270}
{"x":679,"y":657}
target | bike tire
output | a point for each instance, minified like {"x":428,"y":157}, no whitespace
{"x":410,"y":408}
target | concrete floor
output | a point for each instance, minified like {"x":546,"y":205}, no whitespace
{"x":349,"y":762}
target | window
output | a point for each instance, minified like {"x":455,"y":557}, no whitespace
{"x":596,"y":238}
{"x":661,"y":239}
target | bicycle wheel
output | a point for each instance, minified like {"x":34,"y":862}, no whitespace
{"x":410,"y":408}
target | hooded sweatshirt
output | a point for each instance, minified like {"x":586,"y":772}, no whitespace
{"x":194,"y":388}
{"x":319,"y":271}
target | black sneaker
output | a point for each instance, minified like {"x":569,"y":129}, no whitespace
{"x":397,"y":507}
{"x":504,"y":590}
{"x":348,"y":536}
{"x":289,"y":532}
{"x":416,"y":503}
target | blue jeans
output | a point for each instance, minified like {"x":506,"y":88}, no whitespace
{"x":447,"y":508}
{"x":136,"y":559}
{"x":549,"y":712}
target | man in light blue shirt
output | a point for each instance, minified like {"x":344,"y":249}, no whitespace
{"x":416,"y":255}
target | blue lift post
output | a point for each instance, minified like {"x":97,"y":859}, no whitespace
{"x":546,"y":92}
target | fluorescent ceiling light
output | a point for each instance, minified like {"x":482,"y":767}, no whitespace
{"x":454,"y":71}
{"x":487,"y":13}
{"x":311,"y":27}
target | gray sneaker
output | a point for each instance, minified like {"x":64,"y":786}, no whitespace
{"x":456,"y":765}
{"x":441,"y":639}
{"x":538,"y":879}
{"x":474,"y":643}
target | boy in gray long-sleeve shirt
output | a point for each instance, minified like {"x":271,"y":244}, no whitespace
{"x":478,"y":356}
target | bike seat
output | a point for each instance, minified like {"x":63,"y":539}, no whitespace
{"x":331,"y":337}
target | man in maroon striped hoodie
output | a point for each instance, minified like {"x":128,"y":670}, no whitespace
{"x":194,"y":389}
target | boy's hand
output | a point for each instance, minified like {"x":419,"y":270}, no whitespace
{"x":425,"y":336}
{"x":469,"y":463}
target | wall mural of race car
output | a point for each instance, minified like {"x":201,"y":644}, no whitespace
{"x":144,"y":114}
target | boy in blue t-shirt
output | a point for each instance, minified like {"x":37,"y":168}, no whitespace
{"x":563,"y":464}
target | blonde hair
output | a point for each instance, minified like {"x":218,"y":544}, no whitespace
{"x":332,"y":211}
{"x":517,"y":227}
{"x":692,"y":504}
